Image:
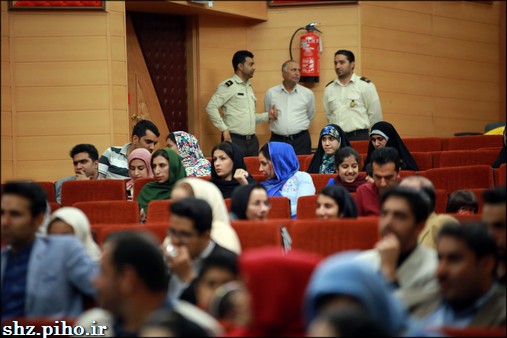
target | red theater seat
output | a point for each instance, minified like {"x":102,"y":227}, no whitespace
{"x":472,"y":142}
{"x":455,"y":178}
{"x":95,"y":190}
{"x":253,"y":234}
{"x":423,"y":144}
{"x":110,"y":212}
{"x":139,"y":184}
{"x":327,"y":237}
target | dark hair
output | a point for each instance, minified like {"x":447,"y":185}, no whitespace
{"x":348,"y":54}
{"x":265,"y":151}
{"x":143,"y":125}
{"x":352,"y":322}
{"x":29,"y":190}
{"x":176,"y":323}
{"x":159,"y":152}
{"x":343,"y":153}
{"x":347,"y":206}
{"x":494,"y":196}
{"x":461,"y":198}
{"x":226,"y":147}
{"x":197,"y":210}
{"x":475,"y":235}
{"x":141,"y":252}
{"x":418,"y":201}
{"x":221,"y":261}
{"x":171,"y":137}
{"x":386,"y":155}
{"x":240,"y":57}
{"x":85,"y":148}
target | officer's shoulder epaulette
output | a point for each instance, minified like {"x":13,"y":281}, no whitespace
{"x":229,"y":83}
{"x":330,"y":82}
{"x":365,"y":79}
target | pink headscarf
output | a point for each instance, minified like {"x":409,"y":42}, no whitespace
{"x":143,"y":155}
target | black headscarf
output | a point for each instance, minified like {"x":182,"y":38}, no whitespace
{"x":240,"y":198}
{"x":227,"y":187}
{"x":394,"y":140}
{"x":314,"y":167}
{"x":347,"y":206}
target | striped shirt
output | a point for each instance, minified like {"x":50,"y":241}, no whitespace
{"x":114,"y":162}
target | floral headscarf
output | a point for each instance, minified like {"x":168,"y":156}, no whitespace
{"x":191,"y":155}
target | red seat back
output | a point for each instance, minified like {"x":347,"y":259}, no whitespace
{"x":441,"y":200}
{"x":455,"y":178}
{"x":360,"y":146}
{"x":472,"y":142}
{"x":327,"y":237}
{"x":95,"y":190}
{"x":306,"y":207}
{"x":159,"y":211}
{"x":501,"y":175}
{"x":424,"y":160}
{"x":422,"y":144}
{"x":252,"y":164}
{"x":304,"y":161}
{"x":455,"y":158}
{"x":253,"y":234}
{"x":159,"y":231}
{"x":320,"y":180}
{"x":49,"y":188}
{"x":110,"y":212}
{"x":139,"y":184}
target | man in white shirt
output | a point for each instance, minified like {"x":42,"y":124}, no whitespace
{"x":295,"y":109}
{"x":351,"y":101}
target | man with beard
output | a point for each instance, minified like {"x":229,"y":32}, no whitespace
{"x":406,"y":265}
{"x":350,"y":101}
{"x":236,"y":98}
{"x":493,"y":214}
{"x":468,"y":293}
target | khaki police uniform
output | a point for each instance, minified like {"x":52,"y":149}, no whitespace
{"x":237,"y":100}
{"x":355,"y":106}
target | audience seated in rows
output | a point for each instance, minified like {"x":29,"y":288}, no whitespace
{"x":276,"y":283}
{"x":72,"y":221}
{"x":188,"y":245}
{"x":167,"y":169}
{"x":346,"y":161}
{"x":132,"y":283}
{"x":228,"y":169}
{"x":278,"y":162}
{"x":467,"y":294}
{"x":332,"y":138}
{"x":114,"y":161}
{"x":428,"y":235}
{"x":41,"y":276}
{"x":221,"y":232}
{"x":383,"y":134}
{"x":494,"y":215}
{"x":187,"y":146}
{"x":340,"y":283}
{"x":407,"y":266}
{"x":250,"y":202}
{"x":335,"y":201}
{"x":386,"y":173}
{"x":139,"y":167}
{"x":85,"y":158}
{"x":462,"y":202}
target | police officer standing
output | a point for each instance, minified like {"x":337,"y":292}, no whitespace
{"x":351,"y":101}
{"x":236,"y":98}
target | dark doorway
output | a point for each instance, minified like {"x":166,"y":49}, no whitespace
{"x":162,"y":40}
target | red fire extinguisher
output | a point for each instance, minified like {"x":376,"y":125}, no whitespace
{"x":310,"y":49}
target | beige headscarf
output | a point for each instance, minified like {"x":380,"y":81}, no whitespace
{"x":79,"y":222}
{"x":221,"y":230}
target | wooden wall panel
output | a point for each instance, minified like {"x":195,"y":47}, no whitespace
{"x":6,"y":170}
{"x":5,"y":52}
{"x":433,"y":75}
{"x":6,"y":123}
{"x":73,"y":122}
{"x":53,"y":24}
{"x":60,"y":49}
{"x":68,"y":76}
{"x":61,"y":98}
{"x":6,"y":148}
{"x":42,"y":148}
{"x":44,"y":74}
{"x":6,"y":74}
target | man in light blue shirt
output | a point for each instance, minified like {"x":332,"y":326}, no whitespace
{"x":468,"y":294}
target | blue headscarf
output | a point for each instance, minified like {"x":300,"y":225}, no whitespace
{"x":285,"y":164}
{"x":341,"y":274}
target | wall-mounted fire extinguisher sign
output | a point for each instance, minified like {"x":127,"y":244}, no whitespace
{"x":310,"y":49}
